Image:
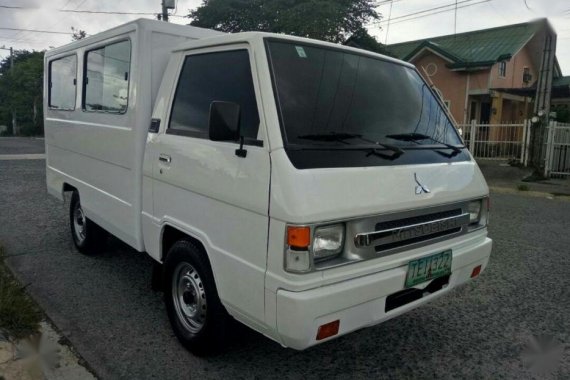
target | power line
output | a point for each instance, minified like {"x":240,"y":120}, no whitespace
{"x":438,"y":12}
{"x":34,"y":30}
{"x":90,"y":11}
{"x":426,"y":11}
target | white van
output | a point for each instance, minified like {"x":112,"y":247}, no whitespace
{"x":306,"y":189}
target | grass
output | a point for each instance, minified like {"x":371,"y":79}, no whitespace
{"x":523,"y":187}
{"x":19,"y":314}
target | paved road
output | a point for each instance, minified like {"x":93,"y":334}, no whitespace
{"x":104,"y":304}
{"x":21,"y":145}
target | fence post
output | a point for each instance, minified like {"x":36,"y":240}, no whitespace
{"x":472,"y":137}
{"x":526,"y":141}
{"x":549,"y":148}
{"x":524,"y":147}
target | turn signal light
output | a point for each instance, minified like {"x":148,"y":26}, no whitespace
{"x":476,"y":271}
{"x":327,"y":330}
{"x":298,"y":237}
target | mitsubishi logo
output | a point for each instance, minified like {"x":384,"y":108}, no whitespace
{"x":420,"y":188}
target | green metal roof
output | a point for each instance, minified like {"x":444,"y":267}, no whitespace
{"x":561,"y":81}
{"x":477,"y":48}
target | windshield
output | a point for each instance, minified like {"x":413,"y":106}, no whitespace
{"x":330,"y":97}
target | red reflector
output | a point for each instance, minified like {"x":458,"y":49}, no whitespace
{"x":476,"y":271}
{"x":327,"y":330}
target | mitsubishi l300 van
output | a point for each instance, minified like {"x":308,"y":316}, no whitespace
{"x":304,"y":188}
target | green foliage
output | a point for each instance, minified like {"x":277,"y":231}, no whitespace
{"x":19,"y":315}
{"x":328,"y":20}
{"x":562,"y":113}
{"x":361,"y":39}
{"x":21,"y":91}
{"x":77,"y":34}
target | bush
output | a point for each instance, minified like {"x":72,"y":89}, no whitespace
{"x":19,"y":314}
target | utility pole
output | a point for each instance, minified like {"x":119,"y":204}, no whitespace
{"x":166,"y":5}
{"x":14,"y":119}
{"x":164,"y":11}
{"x":14,"y":125}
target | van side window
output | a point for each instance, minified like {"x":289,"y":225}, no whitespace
{"x":62,"y":83}
{"x":223,"y":76}
{"x":107,"y":78}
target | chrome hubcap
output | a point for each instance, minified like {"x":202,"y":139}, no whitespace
{"x":189,"y":297}
{"x":79,"y":223}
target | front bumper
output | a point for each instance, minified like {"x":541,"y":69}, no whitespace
{"x":360,"y":302}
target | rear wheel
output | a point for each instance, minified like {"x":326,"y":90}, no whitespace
{"x":196,"y":314}
{"x":87,"y":237}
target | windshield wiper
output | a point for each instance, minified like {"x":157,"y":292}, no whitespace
{"x":415,"y":137}
{"x":342,"y":136}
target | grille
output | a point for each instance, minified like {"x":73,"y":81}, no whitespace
{"x":416,"y":220}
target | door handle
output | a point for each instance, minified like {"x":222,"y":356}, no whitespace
{"x":165,"y":158}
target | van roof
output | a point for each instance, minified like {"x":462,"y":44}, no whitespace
{"x":138,"y":24}
{"x":250,"y":37}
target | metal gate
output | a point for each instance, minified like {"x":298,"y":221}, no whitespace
{"x":557,"y":150}
{"x":497,"y":141}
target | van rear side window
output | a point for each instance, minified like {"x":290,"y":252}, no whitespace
{"x":62,"y":83}
{"x":222,"y":76}
{"x":107,"y":74}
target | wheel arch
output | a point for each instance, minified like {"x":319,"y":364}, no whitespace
{"x":171,"y":235}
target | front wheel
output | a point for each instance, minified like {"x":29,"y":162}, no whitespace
{"x":87,"y":237}
{"x":196,"y":314}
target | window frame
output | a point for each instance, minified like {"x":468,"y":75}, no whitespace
{"x":205,"y":135}
{"x":84,"y":79}
{"x":75,"y":85}
{"x":502,"y":73}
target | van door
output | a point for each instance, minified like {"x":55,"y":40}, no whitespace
{"x":203,"y":188}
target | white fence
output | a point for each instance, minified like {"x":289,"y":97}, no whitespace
{"x":557,"y":150}
{"x":497,"y":141}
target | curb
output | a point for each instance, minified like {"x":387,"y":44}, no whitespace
{"x":530,"y":193}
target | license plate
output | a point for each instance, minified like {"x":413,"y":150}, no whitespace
{"x":428,"y":268}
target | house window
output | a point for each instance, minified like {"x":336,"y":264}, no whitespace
{"x":502,"y":69}
{"x":527,"y":76}
{"x":107,"y":78}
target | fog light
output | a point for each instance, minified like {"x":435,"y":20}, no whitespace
{"x":327,"y":330}
{"x":298,"y":261}
{"x":476,"y":271}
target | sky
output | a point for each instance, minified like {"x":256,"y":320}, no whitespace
{"x":471,"y":15}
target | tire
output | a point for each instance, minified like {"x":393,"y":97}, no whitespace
{"x":87,"y":237}
{"x":196,"y":313}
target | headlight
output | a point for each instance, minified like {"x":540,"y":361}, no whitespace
{"x":474,"y":210}
{"x":328,"y":241}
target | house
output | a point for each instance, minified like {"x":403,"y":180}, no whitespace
{"x":491,"y":75}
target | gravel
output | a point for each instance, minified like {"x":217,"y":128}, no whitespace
{"x":493,"y":327}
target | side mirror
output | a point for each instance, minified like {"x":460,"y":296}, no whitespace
{"x":224,"y":121}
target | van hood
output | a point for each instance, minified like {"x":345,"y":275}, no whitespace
{"x":321,"y":195}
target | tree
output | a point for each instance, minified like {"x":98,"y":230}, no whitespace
{"x":21,"y":92}
{"x":77,"y":34}
{"x":328,"y":20}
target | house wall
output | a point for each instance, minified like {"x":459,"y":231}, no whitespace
{"x":515,"y":69}
{"x":451,"y":84}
